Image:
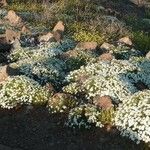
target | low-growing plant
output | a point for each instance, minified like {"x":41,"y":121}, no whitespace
{"x":133,"y":115}
{"x":141,"y":41}
{"x":25,"y":7}
{"x":80,"y":58}
{"x":102,"y":78}
{"x":88,"y":36}
{"x":87,"y":116}
{"x":124,"y":52}
{"x":19,"y":90}
{"x":61,"y":102}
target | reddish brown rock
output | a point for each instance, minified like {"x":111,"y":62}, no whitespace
{"x":125,"y":40}
{"x":104,"y":102}
{"x":3,"y":39}
{"x":58,"y":31}
{"x":11,"y":35}
{"x":47,"y":37}
{"x":25,"y":30}
{"x":13,"y":18}
{"x":68,"y":54}
{"x":106,"y":57}
{"x":59,"y":27}
{"x":106,"y":46}
{"x":6,"y":71}
{"x":3,"y":3}
{"x":87,"y":45}
{"x":3,"y":73}
{"x":58,"y":35}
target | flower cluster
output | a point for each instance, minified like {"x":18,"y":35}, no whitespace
{"x":102,"y":78}
{"x":20,"y":90}
{"x":61,"y":102}
{"x":40,"y":63}
{"x":133,"y":117}
{"x":50,"y":70}
{"x":87,"y":115}
{"x":43,"y":51}
{"x":84,"y":116}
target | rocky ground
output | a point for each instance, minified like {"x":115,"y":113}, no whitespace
{"x":58,"y":63}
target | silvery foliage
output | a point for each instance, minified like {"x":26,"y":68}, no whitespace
{"x":49,"y":70}
{"x":124,"y":52}
{"x":143,"y":70}
{"x":46,"y":50}
{"x":40,"y":63}
{"x":133,"y":117}
{"x":20,"y":90}
{"x":84,"y":116}
{"x":2,"y":29}
{"x":3,"y":13}
{"x":102,"y":78}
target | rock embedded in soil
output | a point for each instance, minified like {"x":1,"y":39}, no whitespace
{"x":106,"y":57}
{"x":87,"y":45}
{"x":6,"y":71}
{"x":58,"y":35}
{"x":58,"y":31}
{"x":16,"y":44}
{"x":25,"y":30}
{"x":59,"y":27}
{"x":148,"y":55}
{"x":3,"y":73}
{"x":11,"y":36}
{"x":104,"y":102}
{"x":14,"y":19}
{"x":125,"y":40}
{"x":106,"y":46}
{"x":47,"y":37}
{"x":3,"y":3}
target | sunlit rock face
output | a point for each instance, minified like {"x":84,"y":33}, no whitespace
{"x":3,"y":3}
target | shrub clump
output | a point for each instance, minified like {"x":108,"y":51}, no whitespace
{"x":87,"y":115}
{"x":133,"y":117}
{"x":44,"y":51}
{"x":124,"y":52}
{"x":51,"y":70}
{"x":20,"y":90}
{"x":102,"y":78}
{"x":79,"y":57}
{"x":61,"y":102}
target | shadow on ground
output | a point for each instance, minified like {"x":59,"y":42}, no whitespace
{"x":38,"y":130}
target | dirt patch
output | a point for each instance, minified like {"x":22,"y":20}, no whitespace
{"x":39,"y":130}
